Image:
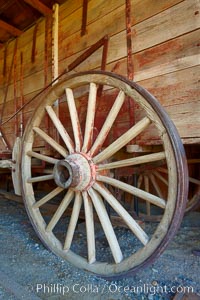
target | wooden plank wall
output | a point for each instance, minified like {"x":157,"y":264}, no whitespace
{"x":165,"y":52}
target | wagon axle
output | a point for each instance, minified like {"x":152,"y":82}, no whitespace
{"x":76,"y":171}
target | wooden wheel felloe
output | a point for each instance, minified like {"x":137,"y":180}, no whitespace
{"x":84,"y":154}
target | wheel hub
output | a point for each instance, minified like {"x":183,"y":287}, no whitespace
{"x":76,"y":171}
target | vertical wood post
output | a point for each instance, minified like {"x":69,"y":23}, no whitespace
{"x":55,"y":56}
{"x":55,"y":41}
{"x":130,"y":66}
{"x":21,"y":129}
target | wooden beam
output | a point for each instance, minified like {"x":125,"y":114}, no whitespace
{"x":11,"y":29}
{"x":38,"y":5}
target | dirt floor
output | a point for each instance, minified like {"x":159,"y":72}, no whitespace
{"x":29,"y":271}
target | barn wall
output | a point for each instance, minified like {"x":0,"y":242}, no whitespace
{"x":165,"y":53}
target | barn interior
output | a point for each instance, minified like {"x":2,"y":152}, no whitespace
{"x":109,"y":89}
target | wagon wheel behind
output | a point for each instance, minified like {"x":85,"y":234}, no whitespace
{"x":81,"y":168}
{"x":156,"y":181}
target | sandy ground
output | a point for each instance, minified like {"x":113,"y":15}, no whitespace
{"x":25,"y":265}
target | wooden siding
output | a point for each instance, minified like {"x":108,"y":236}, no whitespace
{"x":165,"y":52}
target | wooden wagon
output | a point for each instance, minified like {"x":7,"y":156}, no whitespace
{"x":95,"y":148}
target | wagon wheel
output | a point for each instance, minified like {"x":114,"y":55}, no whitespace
{"x":194,"y":186}
{"x":83,"y":170}
{"x":156,"y":180}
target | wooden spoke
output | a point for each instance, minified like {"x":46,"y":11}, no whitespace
{"x":122,"y":140}
{"x":73,"y":221}
{"x":133,"y":190}
{"x":48,"y":197}
{"x":156,"y":186}
{"x":193,"y":161}
{"x":146,"y":186}
{"x":61,"y":209}
{"x":89,"y":124}
{"x":159,"y":176}
{"x":133,"y":161}
{"x":46,"y":158}
{"x":193,"y":180}
{"x":106,"y":225}
{"x":163,"y":170}
{"x":74,"y":119}
{"x":89,"y":228}
{"x":50,"y":141}
{"x":63,"y":133}
{"x":130,"y":222}
{"x":139,"y":182}
{"x":40,"y":178}
{"x":108,"y":123}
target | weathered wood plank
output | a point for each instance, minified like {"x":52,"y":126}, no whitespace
{"x":25,"y":46}
{"x":173,"y":22}
{"x":182,"y":87}
{"x":119,"y":13}
{"x":96,"y":11}
{"x":190,"y":113}
{"x":160,"y":51}
{"x":176,"y":54}
{"x":145,"y":34}
{"x":180,"y":96}
{"x":69,"y":7}
{"x":172,"y":91}
{"x":32,"y":83}
{"x":171,"y":56}
{"x":165,"y":53}
{"x":189,"y":130}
